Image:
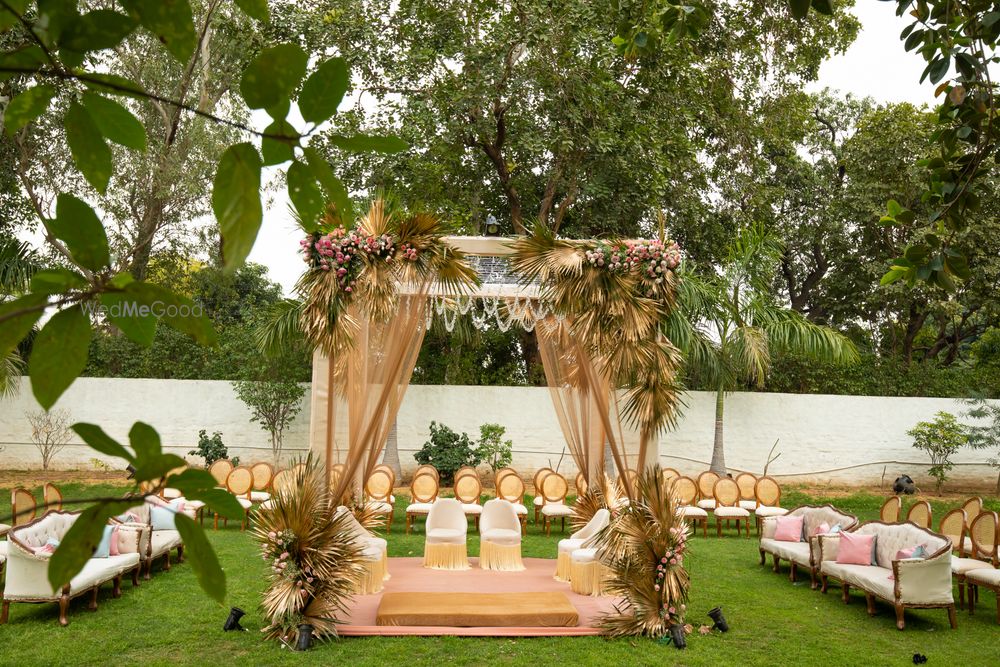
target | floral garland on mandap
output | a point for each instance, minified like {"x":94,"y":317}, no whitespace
{"x":365,"y":266}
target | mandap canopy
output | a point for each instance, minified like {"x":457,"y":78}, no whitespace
{"x":596,"y":308}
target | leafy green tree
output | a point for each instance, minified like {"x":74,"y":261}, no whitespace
{"x":740,"y":326}
{"x":212,"y":448}
{"x":447,"y":451}
{"x":984,"y":433}
{"x":939,"y":439}
{"x":492,"y":449}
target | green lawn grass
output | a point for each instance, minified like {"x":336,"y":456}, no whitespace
{"x":168,"y":621}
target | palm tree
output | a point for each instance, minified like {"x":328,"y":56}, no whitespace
{"x":18,"y":262}
{"x":734,"y":325}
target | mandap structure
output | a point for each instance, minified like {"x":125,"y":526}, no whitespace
{"x":596,"y":308}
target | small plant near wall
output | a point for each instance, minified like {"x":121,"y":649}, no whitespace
{"x":940,"y":439}
{"x":447,"y":451}
{"x":50,"y":432}
{"x":492,"y":450}
{"x":273,"y":405}
{"x":212,"y":448}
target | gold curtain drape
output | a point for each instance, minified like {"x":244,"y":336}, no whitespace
{"x":372,"y":376}
{"x":582,"y":397}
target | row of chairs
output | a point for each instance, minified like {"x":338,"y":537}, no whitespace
{"x":24,"y":507}
{"x":921,"y":512}
{"x":733,"y":500}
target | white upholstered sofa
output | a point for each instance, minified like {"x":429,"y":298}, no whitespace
{"x":805,"y":553}
{"x":156,"y":542}
{"x":28,"y":564}
{"x":920,"y":583}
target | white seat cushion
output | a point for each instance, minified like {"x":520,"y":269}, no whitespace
{"x":557,"y":510}
{"x":268,"y":505}
{"x":472,"y":508}
{"x":502,"y":536}
{"x":693,"y":512}
{"x":245,"y":503}
{"x":163,"y":541}
{"x":963,"y":565}
{"x":871,"y":578}
{"x":194,"y":505}
{"x":797,"y":552}
{"x":379,"y":506}
{"x":732,"y":513}
{"x":748,"y":504}
{"x":259,"y":496}
{"x":584,"y":555}
{"x":763,"y":510}
{"x":171,"y":494}
{"x":989,"y":577}
{"x":520,"y":509}
{"x":418,"y":508}
{"x":446,"y":536}
{"x":99,"y":570}
{"x":707,"y":504}
{"x":539,"y":500}
{"x":569,"y":545}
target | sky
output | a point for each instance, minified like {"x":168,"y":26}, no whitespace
{"x":874,"y":66}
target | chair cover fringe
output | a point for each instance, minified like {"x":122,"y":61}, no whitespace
{"x":563,"y":566}
{"x":588,"y":578}
{"x":446,"y":556}
{"x":505,"y":557}
{"x":374,"y":575}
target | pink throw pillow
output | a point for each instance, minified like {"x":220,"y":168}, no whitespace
{"x":822,"y":529}
{"x":855,"y":549}
{"x":113,"y":550}
{"x":789,"y":529}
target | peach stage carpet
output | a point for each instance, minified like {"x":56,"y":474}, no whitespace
{"x":409,"y":575}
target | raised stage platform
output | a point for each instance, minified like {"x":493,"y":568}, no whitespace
{"x":409,"y":576}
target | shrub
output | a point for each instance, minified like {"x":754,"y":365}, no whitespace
{"x":212,"y":449}
{"x":940,"y":438}
{"x":493,"y":451}
{"x":447,"y":451}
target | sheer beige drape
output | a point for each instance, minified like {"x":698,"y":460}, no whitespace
{"x":582,"y":397}
{"x":372,"y":377}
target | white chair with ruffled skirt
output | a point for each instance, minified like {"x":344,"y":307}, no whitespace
{"x":445,"y":544}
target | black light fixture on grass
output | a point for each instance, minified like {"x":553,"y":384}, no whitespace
{"x":492,"y":227}
{"x":677,"y":635}
{"x":719,"y":619}
{"x":233,"y":622}
{"x":130,"y":469}
{"x":305,"y":637}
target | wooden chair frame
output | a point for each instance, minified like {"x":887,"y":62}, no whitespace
{"x":469,"y":496}
{"x":536,"y":484}
{"x":19,"y":512}
{"x":266,"y":477}
{"x":516,"y":498}
{"x":239,"y":492}
{"x":419,"y":497}
{"x":380,"y":472}
{"x":988,"y":518}
{"x":727,"y":494}
{"x":690,"y":501}
{"x":554,"y":496}
{"x":580,"y":482}
{"x":220,"y":475}
{"x":766,"y":480}
{"x":917,"y":508}
{"x":52,"y":496}
{"x":887,"y":506}
{"x":706,"y":489}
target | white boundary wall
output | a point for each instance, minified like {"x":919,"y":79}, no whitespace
{"x":822,"y":438}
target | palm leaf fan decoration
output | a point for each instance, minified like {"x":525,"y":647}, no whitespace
{"x":644,"y":549}
{"x":315,"y":561}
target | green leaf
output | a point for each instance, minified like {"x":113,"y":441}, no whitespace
{"x":913,"y":40}
{"x":892,"y":276}
{"x":178,"y":312}
{"x":363,"y":143}
{"x":7,"y":19}
{"x":334,"y":189}
{"x":170,"y":20}
{"x":800,"y":8}
{"x":97,"y":30}
{"x":124,"y":311}
{"x":273,"y":75}
{"x":115,"y":121}
{"x":305,"y":196}
{"x":54,"y":281}
{"x":101,"y":442}
{"x":78,"y":227}
{"x":236,"y":202}
{"x":906,"y":217}
{"x":59,"y":355}
{"x":14,"y":329}
{"x":26,"y":107}
{"x":823,"y":6}
{"x":90,"y":152}
{"x":255,"y":9}
{"x":145,"y":440}
{"x":156,"y":466}
{"x":219,"y":501}
{"x":894,"y":208}
{"x":938,"y":68}
{"x":202,"y":558}
{"x":959,"y":266}
{"x":113,"y":85}
{"x":192,"y":480}
{"x":27,"y":58}
{"x":323,"y":90}
{"x":276,"y":151}
{"x":79,"y":542}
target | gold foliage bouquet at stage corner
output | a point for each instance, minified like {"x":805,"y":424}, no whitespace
{"x":355,"y":272}
{"x":316,"y":561}
{"x":644,"y":548}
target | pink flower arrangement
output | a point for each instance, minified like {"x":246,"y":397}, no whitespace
{"x":340,"y":252}
{"x":649,"y":258}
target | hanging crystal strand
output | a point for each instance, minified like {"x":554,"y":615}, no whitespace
{"x":464,"y":304}
{"x":450,"y":319}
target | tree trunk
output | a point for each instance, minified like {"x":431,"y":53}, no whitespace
{"x":609,"y":460}
{"x":391,"y":455}
{"x":718,"y":454}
